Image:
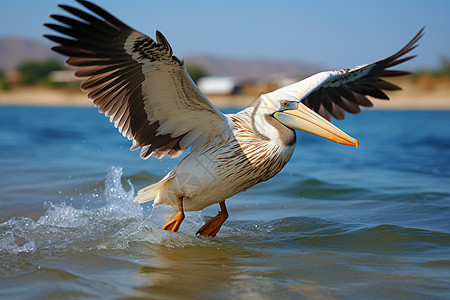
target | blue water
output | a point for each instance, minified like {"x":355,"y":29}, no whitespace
{"x":336,"y":223}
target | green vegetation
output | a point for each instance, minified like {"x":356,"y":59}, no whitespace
{"x":442,"y":71}
{"x":4,"y":83}
{"x":33,"y":72}
{"x":196,"y":72}
{"x":445,"y":66}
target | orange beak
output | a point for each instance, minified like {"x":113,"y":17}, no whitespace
{"x":307,"y":120}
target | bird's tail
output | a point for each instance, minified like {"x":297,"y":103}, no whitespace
{"x":151,"y":192}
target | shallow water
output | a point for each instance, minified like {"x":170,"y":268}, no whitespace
{"x":336,"y":223}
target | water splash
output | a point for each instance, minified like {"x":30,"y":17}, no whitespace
{"x":114,"y":225}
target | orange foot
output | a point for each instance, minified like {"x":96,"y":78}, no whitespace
{"x":212,"y":227}
{"x":175,"y":223}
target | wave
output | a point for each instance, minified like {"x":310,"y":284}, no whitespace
{"x":114,"y":224}
{"x":322,"y":234}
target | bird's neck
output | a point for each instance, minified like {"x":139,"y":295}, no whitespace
{"x":267,"y":127}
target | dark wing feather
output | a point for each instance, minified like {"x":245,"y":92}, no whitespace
{"x":136,"y":82}
{"x":348,"y":88}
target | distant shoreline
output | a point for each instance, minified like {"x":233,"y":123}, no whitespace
{"x":413,"y":97}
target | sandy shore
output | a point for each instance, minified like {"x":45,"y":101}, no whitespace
{"x":415,"y":95}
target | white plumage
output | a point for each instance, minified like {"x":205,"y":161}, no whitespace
{"x":146,"y":92}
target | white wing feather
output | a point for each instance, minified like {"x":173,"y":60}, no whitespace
{"x":137,"y":82}
{"x":332,"y":93}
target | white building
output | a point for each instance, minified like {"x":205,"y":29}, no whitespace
{"x":219,"y":85}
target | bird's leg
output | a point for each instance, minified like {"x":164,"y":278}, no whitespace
{"x":212,"y":227}
{"x":175,"y":223}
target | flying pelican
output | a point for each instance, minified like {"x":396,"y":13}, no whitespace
{"x":147,"y":93}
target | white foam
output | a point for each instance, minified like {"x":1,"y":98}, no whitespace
{"x":14,"y":243}
{"x":115,"y":224}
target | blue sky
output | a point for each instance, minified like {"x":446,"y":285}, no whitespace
{"x":333,"y":34}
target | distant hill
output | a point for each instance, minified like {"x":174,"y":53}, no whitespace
{"x":14,"y":50}
{"x":249,"y":69}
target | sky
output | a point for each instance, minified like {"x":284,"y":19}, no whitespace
{"x":333,"y":34}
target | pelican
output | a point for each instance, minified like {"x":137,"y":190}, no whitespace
{"x":147,"y":93}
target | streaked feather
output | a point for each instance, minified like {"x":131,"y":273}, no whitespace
{"x":352,"y":84}
{"x":135,"y":81}
{"x":147,"y":94}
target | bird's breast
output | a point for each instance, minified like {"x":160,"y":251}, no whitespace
{"x":248,"y":159}
{"x":220,"y":170}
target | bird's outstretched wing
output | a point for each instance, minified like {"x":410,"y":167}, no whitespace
{"x":136,"y":82}
{"x":332,"y":93}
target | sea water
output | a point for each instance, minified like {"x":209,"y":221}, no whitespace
{"x":336,"y":223}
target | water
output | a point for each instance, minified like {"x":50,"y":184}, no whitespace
{"x":336,"y":223}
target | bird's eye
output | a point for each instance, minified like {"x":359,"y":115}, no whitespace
{"x":285,"y":103}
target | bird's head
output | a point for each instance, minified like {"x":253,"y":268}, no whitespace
{"x":283,"y":109}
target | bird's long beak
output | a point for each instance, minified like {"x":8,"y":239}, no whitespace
{"x":307,"y":120}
